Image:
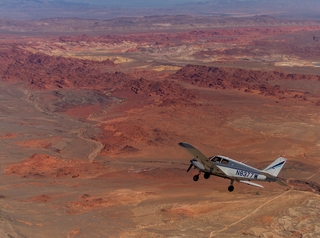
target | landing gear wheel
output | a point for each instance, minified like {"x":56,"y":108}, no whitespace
{"x":196,"y":178}
{"x":206,"y":175}
{"x":230,"y":188}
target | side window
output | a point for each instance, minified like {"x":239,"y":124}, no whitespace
{"x":217,"y":159}
{"x":224,"y":161}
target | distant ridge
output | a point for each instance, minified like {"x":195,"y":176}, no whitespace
{"x":67,"y":25}
{"x":37,"y":9}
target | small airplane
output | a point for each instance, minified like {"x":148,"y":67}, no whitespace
{"x":225,"y":167}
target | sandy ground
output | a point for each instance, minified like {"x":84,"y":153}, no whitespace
{"x":53,"y":186}
{"x":89,"y":163}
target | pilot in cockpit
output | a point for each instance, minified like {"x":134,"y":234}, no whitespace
{"x":215,"y":159}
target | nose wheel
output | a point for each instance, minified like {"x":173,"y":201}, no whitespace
{"x":196,"y":177}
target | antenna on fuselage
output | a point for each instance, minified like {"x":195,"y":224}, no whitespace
{"x":245,"y":161}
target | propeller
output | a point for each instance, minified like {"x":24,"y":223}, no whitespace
{"x":189,"y":167}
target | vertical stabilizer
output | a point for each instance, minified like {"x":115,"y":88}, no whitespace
{"x":275,"y":167}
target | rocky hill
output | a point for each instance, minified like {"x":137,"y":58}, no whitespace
{"x":41,"y":71}
{"x":234,"y":78}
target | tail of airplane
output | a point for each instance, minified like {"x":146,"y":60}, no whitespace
{"x":275,"y":167}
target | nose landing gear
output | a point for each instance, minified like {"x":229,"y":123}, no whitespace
{"x":196,"y":177}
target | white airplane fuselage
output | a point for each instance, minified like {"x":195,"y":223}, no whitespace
{"x":234,"y":169}
{"x":225,"y":167}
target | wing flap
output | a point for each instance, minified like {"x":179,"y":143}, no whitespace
{"x":251,"y":183}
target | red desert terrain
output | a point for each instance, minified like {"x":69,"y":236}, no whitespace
{"x":90,"y":126}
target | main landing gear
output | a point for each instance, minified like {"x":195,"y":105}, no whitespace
{"x":206,"y":175}
{"x":231,"y":188}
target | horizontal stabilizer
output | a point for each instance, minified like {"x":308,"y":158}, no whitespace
{"x":275,"y":167}
{"x":251,"y":183}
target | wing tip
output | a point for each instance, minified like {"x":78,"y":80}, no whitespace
{"x":181,"y":144}
{"x":185,"y":145}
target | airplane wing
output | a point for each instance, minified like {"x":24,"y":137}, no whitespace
{"x":199,"y":156}
{"x":251,"y":183}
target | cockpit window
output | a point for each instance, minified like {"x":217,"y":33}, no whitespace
{"x":218,"y":159}
{"x":224,"y":161}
